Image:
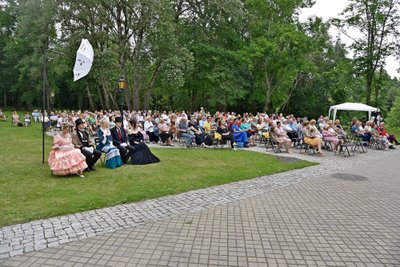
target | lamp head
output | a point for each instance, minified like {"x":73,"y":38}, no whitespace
{"x":122,"y":83}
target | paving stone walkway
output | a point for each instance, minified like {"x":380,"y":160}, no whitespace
{"x":321,"y":221}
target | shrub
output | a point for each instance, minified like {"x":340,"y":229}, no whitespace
{"x":393,"y":117}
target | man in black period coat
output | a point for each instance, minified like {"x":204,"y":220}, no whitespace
{"x":120,"y":140}
{"x":81,"y":140}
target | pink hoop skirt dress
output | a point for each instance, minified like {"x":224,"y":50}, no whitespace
{"x":64,"y":158}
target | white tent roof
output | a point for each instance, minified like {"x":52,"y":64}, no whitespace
{"x":353,"y":107}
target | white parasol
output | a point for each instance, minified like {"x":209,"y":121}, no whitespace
{"x":84,"y":60}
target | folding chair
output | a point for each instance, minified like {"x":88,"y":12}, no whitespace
{"x":103,"y":154}
{"x":307,"y":148}
{"x":345,"y":148}
{"x":359,"y":144}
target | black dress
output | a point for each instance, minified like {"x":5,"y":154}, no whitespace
{"x":142,"y":153}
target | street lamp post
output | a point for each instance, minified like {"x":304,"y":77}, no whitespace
{"x":121,"y":86}
{"x":44,"y":61}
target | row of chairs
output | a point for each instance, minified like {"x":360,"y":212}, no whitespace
{"x":353,"y":143}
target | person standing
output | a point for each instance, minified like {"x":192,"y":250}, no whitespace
{"x":81,"y":140}
{"x":120,"y":140}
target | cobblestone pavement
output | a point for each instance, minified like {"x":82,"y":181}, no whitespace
{"x":321,"y":221}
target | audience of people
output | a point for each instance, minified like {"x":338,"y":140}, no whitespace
{"x":123,"y":139}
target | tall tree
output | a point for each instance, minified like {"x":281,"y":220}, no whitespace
{"x":378,"y":23}
{"x":277,"y":51}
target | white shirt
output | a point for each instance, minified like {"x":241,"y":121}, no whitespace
{"x":60,"y":121}
{"x":148,"y":126}
{"x":287,"y":128}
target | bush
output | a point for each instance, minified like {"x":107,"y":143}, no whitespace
{"x":393,"y":117}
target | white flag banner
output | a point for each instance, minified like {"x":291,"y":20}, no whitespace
{"x":84,"y":60}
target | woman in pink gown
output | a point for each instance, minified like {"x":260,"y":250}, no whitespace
{"x":64,"y":158}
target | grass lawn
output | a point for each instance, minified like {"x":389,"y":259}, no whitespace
{"x":28,"y":191}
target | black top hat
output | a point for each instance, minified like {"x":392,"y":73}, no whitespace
{"x":119,"y":119}
{"x":79,"y":122}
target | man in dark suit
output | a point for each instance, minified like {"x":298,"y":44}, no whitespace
{"x":81,"y":140}
{"x":120,"y":140}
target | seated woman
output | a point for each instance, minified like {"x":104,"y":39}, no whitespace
{"x":280,"y":136}
{"x":173,"y":128}
{"x":239,"y":135}
{"x":223,"y":130}
{"x":185,"y":132}
{"x":113,"y":158}
{"x":368,"y":127}
{"x":246,"y":126}
{"x":164,"y":132}
{"x":311,"y":137}
{"x":379,"y":138}
{"x":313,"y":128}
{"x":142,"y":153}
{"x":27,"y":119}
{"x":64,"y":158}
{"x":2,"y":116}
{"x":330,"y":136}
{"x":199,"y":136}
{"x":341,"y":133}
{"x":383,"y":132}
{"x":15,"y":118}
{"x":150,"y":130}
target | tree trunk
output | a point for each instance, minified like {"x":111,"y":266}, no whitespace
{"x":5,"y":98}
{"x":147,"y":97}
{"x":113,"y":100}
{"x":287,"y":99}
{"x":106,"y":97}
{"x":369,"y":88}
{"x":101,"y":97}
{"x":136,"y":87}
{"x":268,"y":89}
{"x":378,"y":87}
{"x":91,"y":102}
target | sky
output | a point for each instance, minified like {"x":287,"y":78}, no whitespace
{"x":327,"y":9}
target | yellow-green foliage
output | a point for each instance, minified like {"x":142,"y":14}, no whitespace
{"x":393,"y":118}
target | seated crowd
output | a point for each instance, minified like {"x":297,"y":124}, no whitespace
{"x":123,"y":140}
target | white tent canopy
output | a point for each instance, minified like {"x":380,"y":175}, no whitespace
{"x":353,"y":107}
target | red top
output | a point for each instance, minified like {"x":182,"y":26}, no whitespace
{"x":382,"y":131}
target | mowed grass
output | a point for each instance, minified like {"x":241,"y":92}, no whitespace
{"x":28,"y":191}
